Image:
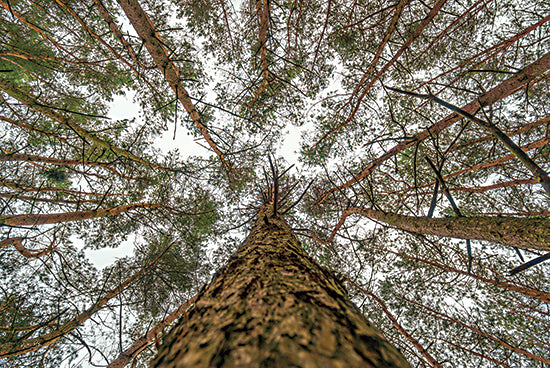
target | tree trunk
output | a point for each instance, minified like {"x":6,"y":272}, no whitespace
{"x":520,"y":232}
{"x":32,"y":219}
{"x":273,"y":306}
{"x":160,"y":53}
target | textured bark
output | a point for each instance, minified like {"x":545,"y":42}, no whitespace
{"x":525,"y":233}
{"x":263,"y":15}
{"x":263,"y":12}
{"x":273,"y":306}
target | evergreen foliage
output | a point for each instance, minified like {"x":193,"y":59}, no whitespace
{"x":237,"y":77}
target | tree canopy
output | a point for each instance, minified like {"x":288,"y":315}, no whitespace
{"x":420,"y":178}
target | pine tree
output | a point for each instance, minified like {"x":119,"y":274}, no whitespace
{"x":272,"y":305}
{"x":419,"y":201}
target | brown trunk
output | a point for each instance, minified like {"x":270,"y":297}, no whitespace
{"x":158,"y":51}
{"x":263,"y":10}
{"x":525,"y":233}
{"x":57,"y":218}
{"x":264,"y":26}
{"x":273,"y":306}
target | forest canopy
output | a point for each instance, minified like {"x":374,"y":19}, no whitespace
{"x":420,"y":176}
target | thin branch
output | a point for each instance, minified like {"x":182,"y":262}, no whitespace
{"x":538,"y":173}
{"x":515,"y":83}
{"x":530,"y":264}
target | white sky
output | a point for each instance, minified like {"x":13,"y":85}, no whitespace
{"x":123,"y":107}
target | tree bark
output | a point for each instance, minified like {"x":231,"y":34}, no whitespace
{"x":160,"y":54}
{"x":271,"y":305}
{"x":524,"y":233}
{"x":31,"y":219}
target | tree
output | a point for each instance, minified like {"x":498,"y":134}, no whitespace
{"x":420,"y":193}
{"x":272,"y":305}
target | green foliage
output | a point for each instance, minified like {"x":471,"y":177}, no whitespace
{"x":195,"y":210}
{"x":57,"y":175}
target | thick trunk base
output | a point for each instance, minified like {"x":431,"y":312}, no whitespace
{"x":273,"y":306}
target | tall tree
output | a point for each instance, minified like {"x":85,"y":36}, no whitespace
{"x":272,"y":305}
{"x":415,"y":192}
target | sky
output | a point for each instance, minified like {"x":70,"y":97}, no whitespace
{"x":124,"y":107}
